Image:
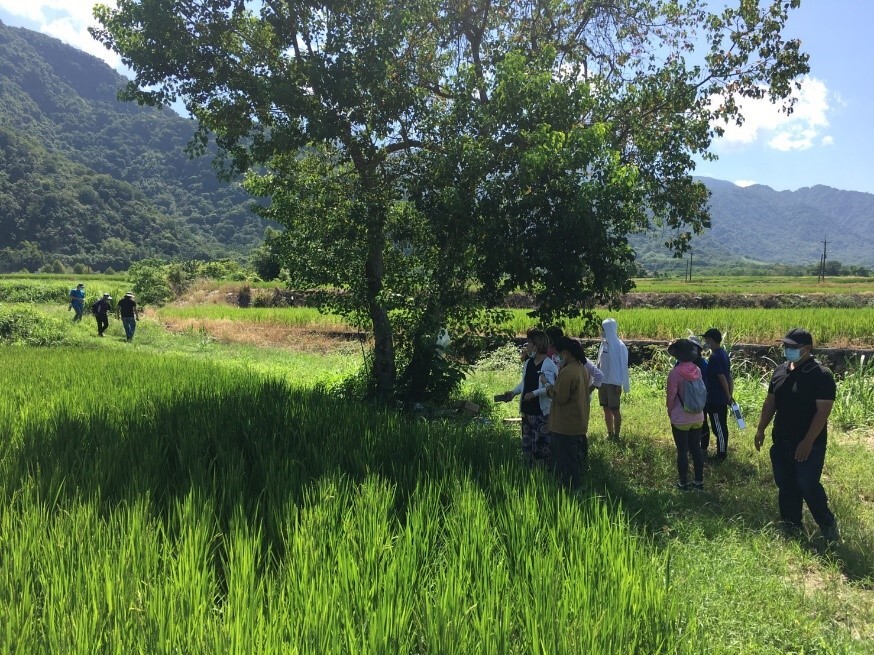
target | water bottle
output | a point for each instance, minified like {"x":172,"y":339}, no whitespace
{"x":735,"y":409}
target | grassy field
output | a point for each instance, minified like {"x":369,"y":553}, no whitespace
{"x":831,"y":327}
{"x":176,"y":503}
{"x":752,"y":284}
{"x":182,"y":495}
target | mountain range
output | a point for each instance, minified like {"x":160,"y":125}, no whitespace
{"x":756,"y":224}
{"x":87,"y":179}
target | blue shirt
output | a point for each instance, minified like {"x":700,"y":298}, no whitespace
{"x":716,"y":365}
{"x":77,"y":297}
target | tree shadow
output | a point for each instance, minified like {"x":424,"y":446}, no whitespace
{"x":260,"y":448}
{"x":737,"y":492}
{"x":256,"y":449}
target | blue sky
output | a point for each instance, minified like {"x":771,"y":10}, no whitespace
{"x":828,"y":139}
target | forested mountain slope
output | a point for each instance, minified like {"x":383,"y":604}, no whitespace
{"x":58,"y":105}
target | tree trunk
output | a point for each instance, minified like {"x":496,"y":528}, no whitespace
{"x":384,"y":372}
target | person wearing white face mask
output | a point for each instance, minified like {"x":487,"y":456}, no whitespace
{"x":800,"y":398}
{"x":535,"y":404}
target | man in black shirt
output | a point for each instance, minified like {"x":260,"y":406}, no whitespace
{"x":800,"y":398}
{"x":127,"y":309}
{"x":101,"y":311}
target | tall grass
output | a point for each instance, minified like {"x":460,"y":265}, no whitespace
{"x":293,"y":316}
{"x":829,"y":326}
{"x":159,"y":504}
{"x":756,"y":284}
{"x":854,"y":404}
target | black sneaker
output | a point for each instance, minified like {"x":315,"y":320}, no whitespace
{"x":698,"y":486}
{"x":791,"y":530}
{"x":684,"y":486}
{"x":831,"y":534}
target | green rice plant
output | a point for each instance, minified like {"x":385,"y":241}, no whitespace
{"x":829,"y":326}
{"x":854,"y":403}
{"x":160,"y":503}
{"x":294,"y":316}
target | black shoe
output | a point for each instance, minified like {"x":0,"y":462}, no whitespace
{"x":791,"y":530}
{"x":684,"y":486}
{"x":698,"y":486}
{"x":831,"y":534}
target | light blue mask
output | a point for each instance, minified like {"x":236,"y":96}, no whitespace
{"x":792,"y":354}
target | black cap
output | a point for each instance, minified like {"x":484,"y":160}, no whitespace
{"x":683,"y":349}
{"x":797,"y":337}
{"x":714,"y":334}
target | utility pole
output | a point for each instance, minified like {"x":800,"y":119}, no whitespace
{"x":821,"y":277}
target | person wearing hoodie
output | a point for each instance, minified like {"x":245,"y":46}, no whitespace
{"x":535,"y":404}
{"x":685,"y":425}
{"x":613,"y":363}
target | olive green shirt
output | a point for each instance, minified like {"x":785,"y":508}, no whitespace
{"x":569,"y":414}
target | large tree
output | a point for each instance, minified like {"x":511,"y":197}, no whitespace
{"x":427,"y":156}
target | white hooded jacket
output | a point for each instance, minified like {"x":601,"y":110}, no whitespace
{"x":613,"y":356}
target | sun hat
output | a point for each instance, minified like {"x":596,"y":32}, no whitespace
{"x":682,"y":349}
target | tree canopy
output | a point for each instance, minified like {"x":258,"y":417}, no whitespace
{"x":427,"y":156}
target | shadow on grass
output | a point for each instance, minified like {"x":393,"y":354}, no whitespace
{"x":641,"y":474}
{"x":256,"y":449}
{"x":260,"y":447}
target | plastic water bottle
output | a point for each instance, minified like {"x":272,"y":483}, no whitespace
{"x":735,"y":409}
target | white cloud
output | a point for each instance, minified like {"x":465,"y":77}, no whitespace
{"x":827,"y":140}
{"x":799,"y":130}
{"x":67,"y":20}
{"x":745,"y":183}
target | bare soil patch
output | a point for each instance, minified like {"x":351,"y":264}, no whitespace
{"x":272,"y":335}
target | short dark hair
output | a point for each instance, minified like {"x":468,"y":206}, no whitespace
{"x":554,"y":333}
{"x":713,"y":334}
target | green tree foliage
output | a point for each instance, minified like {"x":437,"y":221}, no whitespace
{"x":417,"y":150}
{"x":78,"y":167}
{"x":55,"y":207}
{"x":267,"y":258}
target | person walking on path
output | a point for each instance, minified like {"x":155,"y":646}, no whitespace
{"x":77,"y":302}
{"x":800,"y":398}
{"x":685,"y":424}
{"x":101,"y":310}
{"x":127,"y":309}
{"x":569,"y":417}
{"x":535,"y":404}
{"x":613,"y":362}
{"x":720,"y":394}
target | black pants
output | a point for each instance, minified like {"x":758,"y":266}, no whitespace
{"x":717,"y":416}
{"x":688,"y":441}
{"x":798,"y":482}
{"x":569,"y":453}
{"x":102,"y":324}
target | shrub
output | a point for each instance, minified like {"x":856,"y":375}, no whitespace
{"x":25,"y":325}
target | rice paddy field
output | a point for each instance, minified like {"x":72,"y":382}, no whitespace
{"x":179,"y":494}
{"x":830,"y":326}
{"x":755,"y":284}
